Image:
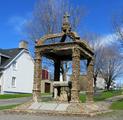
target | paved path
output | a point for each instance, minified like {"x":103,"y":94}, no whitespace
{"x":117,"y":115}
{"x":101,"y":106}
{"x":114,"y":99}
{"x":21,"y":100}
{"x":111,"y":116}
{"x":4,"y":102}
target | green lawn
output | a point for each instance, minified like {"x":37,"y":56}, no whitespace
{"x":118,"y":105}
{"x":8,"y":107}
{"x":102,"y":96}
{"x":107,"y":94}
{"x":82,"y":97}
{"x":9,"y":96}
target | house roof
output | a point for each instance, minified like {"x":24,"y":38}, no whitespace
{"x":10,"y":54}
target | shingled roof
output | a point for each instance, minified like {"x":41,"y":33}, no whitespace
{"x":10,"y":54}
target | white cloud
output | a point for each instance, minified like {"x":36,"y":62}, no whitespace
{"x":17,"y":23}
{"x":106,"y":40}
{"x":109,"y":38}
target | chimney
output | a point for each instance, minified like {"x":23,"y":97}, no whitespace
{"x":23,"y":44}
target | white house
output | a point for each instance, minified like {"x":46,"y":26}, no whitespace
{"x":16,"y":70}
{"x":100,"y":83}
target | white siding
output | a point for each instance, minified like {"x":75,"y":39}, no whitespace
{"x":100,"y":83}
{"x":24,"y":75}
{"x":1,"y":83}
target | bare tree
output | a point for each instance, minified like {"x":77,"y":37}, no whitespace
{"x":94,"y":41}
{"x":111,"y":66}
{"x":117,"y":23}
{"x":47,"y":19}
{"x":107,"y":59}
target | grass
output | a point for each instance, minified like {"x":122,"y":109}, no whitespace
{"x":82,"y":97}
{"x":8,"y":107}
{"x":107,"y":94}
{"x":102,"y":96}
{"x":9,"y":96}
{"x":118,"y":105}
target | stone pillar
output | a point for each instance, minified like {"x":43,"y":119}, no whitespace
{"x":75,"y":75}
{"x":37,"y":77}
{"x":90,"y":90}
{"x":57,"y":64}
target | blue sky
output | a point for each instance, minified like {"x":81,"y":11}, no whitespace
{"x":99,"y":14}
{"x":13,"y":13}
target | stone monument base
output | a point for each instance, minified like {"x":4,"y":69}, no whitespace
{"x":63,"y":97}
{"x":75,"y":108}
{"x":53,"y":108}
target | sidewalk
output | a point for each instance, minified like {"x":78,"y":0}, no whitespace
{"x":14,"y":101}
{"x":56,"y":108}
{"x":113,"y":99}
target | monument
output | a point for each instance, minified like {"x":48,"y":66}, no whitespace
{"x":64,"y":51}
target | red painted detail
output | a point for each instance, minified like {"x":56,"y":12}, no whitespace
{"x":45,"y":74}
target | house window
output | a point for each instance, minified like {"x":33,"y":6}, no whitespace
{"x":13,"y":82}
{"x":14,"y":65}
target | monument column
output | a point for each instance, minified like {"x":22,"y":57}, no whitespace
{"x":37,"y":77}
{"x":57,"y":64}
{"x":75,"y":75}
{"x":90,"y":90}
